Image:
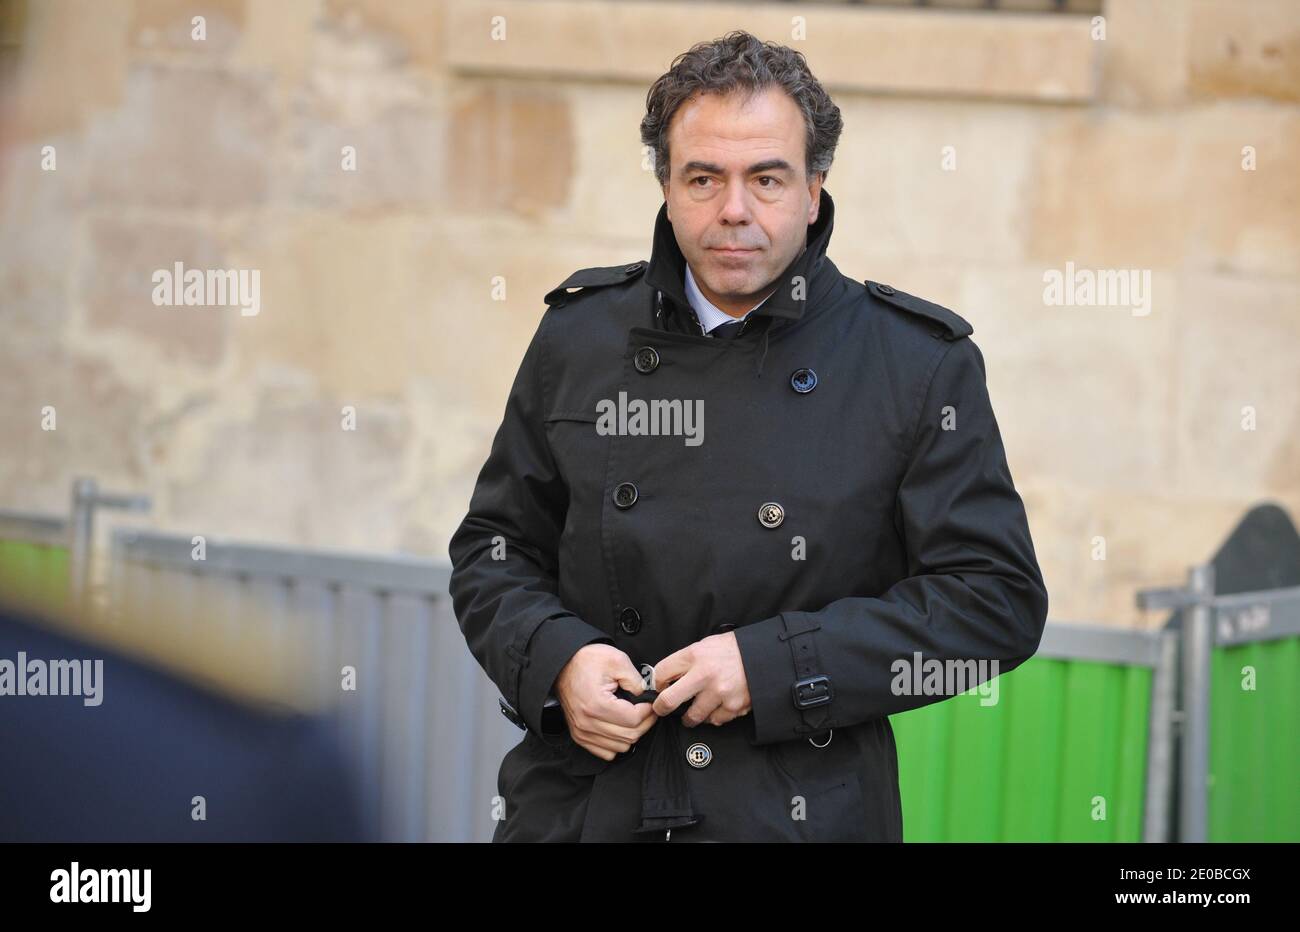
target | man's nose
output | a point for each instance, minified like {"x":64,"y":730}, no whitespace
{"x":736,"y":206}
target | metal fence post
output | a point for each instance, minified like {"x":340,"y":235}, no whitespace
{"x":1160,"y":740}
{"x":86,"y":497}
{"x":1198,"y":639}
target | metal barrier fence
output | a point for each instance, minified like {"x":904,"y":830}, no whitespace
{"x":421,"y":729}
{"x":45,"y":561}
{"x":1239,"y":710}
{"x":1206,"y":708}
{"x":1078,"y":746}
{"x":34,"y":560}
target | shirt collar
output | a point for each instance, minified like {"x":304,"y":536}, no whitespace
{"x":710,"y":315}
{"x":667,"y":268}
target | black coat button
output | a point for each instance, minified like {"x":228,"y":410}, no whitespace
{"x":771,"y":514}
{"x":630,"y":620}
{"x":803,"y":380}
{"x":625,"y":495}
{"x":723,"y":627}
{"x":885,"y":289}
{"x":646,"y":359}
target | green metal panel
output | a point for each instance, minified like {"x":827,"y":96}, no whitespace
{"x":1254,"y":779}
{"x":1060,"y":757}
{"x":34,"y":575}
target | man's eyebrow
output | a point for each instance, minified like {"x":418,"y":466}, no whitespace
{"x":713,"y":169}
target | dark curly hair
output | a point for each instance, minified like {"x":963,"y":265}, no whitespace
{"x":741,"y":62}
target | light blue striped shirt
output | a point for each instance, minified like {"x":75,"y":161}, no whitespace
{"x":709,"y":315}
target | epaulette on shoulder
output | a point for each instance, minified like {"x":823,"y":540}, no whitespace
{"x":954,"y":325}
{"x":597,"y":277}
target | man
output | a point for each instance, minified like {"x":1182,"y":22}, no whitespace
{"x":838,"y":503}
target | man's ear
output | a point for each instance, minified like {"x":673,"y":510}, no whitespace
{"x":667,"y":206}
{"x":815,"y":190}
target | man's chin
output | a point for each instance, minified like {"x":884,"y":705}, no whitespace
{"x":735,"y":287}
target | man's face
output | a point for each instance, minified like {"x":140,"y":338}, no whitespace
{"x":738,"y":198}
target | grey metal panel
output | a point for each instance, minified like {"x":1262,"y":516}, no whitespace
{"x":452,"y":763}
{"x":494,"y":736}
{"x":314,"y":607}
{"x":1100,"y":643}
{"x":361,"y":613}
{"x":34,"y":529}
{"x":188,"y":603}
{"x":389,"y":574}
{"x":1256,"y":616}
{"x":411,"y":621}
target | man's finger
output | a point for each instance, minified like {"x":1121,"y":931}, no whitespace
{"x":682,"y":690}
{"x":620,"y":732}
{"x":720,"y":716}
{"x":627,"y":676}
{"x":607,"y":742}
{"x":616,"y":711}
{"x":673,"y":666}
{"x":705,"y":704}
{"x":594,"y":744}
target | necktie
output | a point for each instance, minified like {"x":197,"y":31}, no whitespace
{"x":727,"y":331}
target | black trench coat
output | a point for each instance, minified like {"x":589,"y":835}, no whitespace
{"x":828,"y":516}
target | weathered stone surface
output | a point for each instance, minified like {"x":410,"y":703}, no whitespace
{"x":1150,"y":540}
{"x":97,"y":427}
{"x":40,"y":235}
{"x":1010,"y":56}
{"x":1144,"y":55}
{"x":1134,"y":190}
{"x":169,"y":25}
{"x":1243,"y":49}
{"x":395,"y":162}
{"x":236,"y":474}
{"x":116,"y":289}
{"x":184,"y":138}
{"x":483,"y":167}
{"x":71,"y":62}
{"x":416,"y":26}
{"x":1081,"y":393}
{"x":1235,"y":348}
{"x":511,"y":148}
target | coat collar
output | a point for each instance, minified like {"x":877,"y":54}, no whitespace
{"x":667,"y":269}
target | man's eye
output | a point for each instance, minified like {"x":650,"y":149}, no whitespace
{"x":704,"y":178}
{"x":775,"y":181}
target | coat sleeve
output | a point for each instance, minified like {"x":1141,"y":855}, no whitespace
{"x":974,"y":591}
{"x":504,"y":554}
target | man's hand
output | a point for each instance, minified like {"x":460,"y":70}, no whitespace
{"x":709,"y":670}
{"x":598,"y":721}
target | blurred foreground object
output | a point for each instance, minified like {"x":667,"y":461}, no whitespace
{"x":141,"y":755}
